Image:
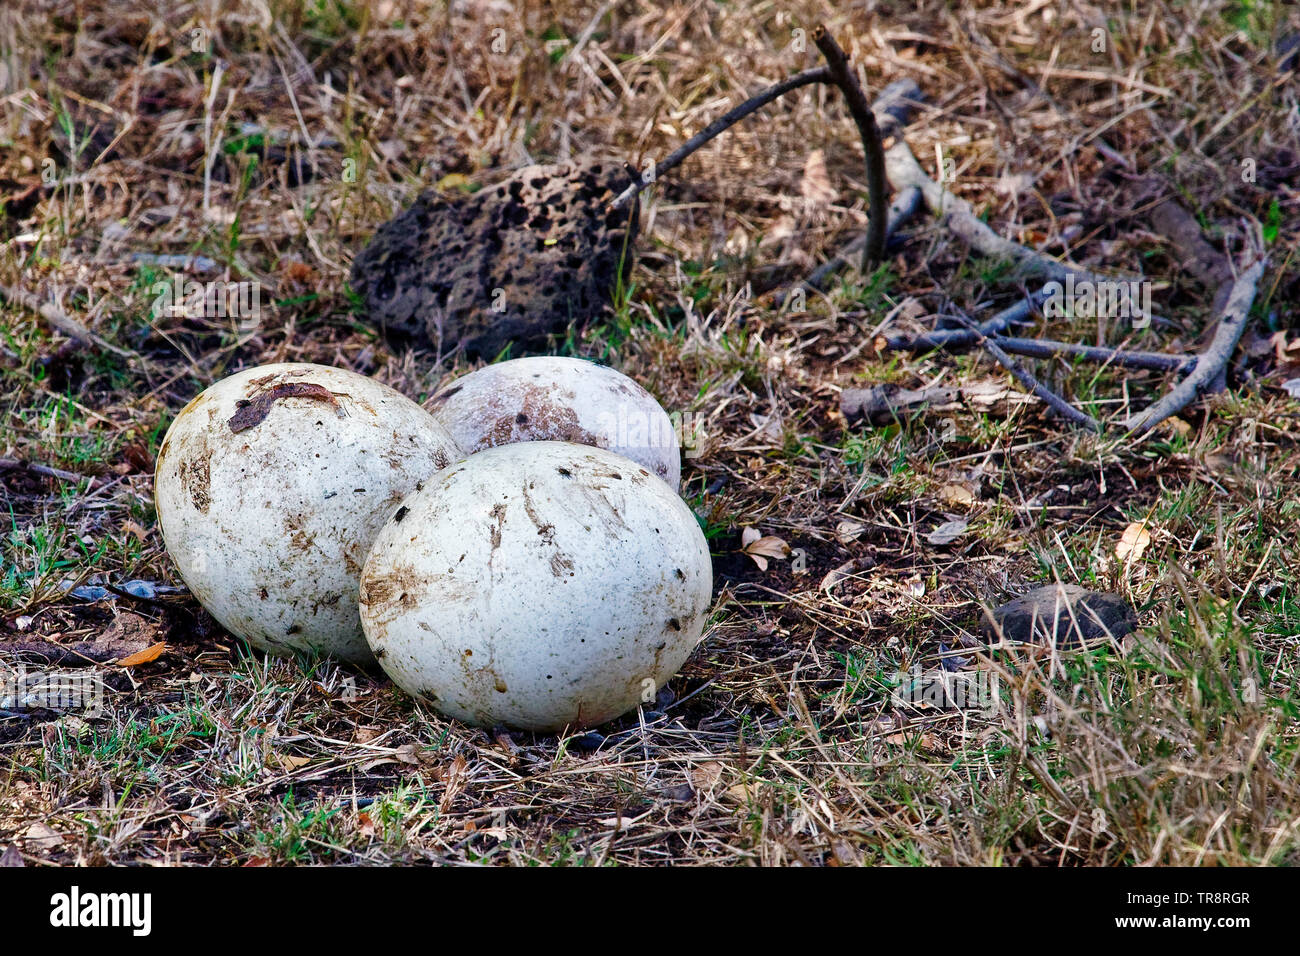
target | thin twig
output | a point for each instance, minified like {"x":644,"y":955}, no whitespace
{"x":1060,"y":405}
{"x":955,"y":213}
{"x":820,"y":74}
{"x":58,"y":320}
{"x":956,"y":338}
{"x":1033,"y":348}
{"x":872,"y":144}
{"x":13,"y":464}
{"x":1047,"y":348}
{"x":837,"y":74}
{"x":1206,"y":376}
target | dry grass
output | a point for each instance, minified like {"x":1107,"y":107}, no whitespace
{"x":782,"y":744}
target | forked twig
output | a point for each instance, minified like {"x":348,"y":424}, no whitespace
{"x":835,"y":73}
{"x":720,"y":125}
{"x":1058,"y":404}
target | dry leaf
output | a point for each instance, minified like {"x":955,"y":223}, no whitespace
{"x":816,"y":183}
{"x":740,"y":793}
{"x":622,"y":822}
{"x":1292,"y":387}
{"x":1132,"y":542}
{"x":289,"y":763}
{"x":11,"y":857}
{"x":150,"y":653}
{"x":705,"y":776}
{"x":844,"y":571}
{"x":1281,"y":347}
{"x":956,"y":495}
{"x":847,"y":531}
{"x":41,"y":836}
{"x":760,"y":547}
{"x":408,"y":753}
{"x":948,"y":532}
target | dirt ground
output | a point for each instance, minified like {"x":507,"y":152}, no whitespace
{"x":273,"y":138}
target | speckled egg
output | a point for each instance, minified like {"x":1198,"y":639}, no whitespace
{"x":541,"y":585}
{"x":270,"y":487}
{"x":550,"y":398}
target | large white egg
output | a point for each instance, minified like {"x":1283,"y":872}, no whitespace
{"x":270,"y":487}
{"x":549,"y":398}
{"x":541,"y":585}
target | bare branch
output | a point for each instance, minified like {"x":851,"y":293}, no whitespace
{"x":954,"y":213}
{"x":1047,"y":348}
{"x":872,"y":144}
{"x":1210,"y":364}
{"x":720,"y":125}
{"x":1060,"y":405}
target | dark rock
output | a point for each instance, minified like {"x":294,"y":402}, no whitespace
{"x":588,"y":742}
{"x":513,"y":263}
{"x":1065,"y":613}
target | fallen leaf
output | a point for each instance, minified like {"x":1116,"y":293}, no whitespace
{"x":761,"y":547}
{"x":948,"y":532}
{"x":454,"y":181}
{"x":289,"y":762}
{"x":1281,"y":346}
{"x":783,"y":228}
{"x":740,"y":793}
{"x":11,"y":857}
{"x":956,"y":495}
{"x":40,"y":836}
{"x":816,"y":183}
{"x":621,"y":822}
{"x":408,"y":753}
{"x":150,"y":653}
{"x":705,"y":776}
{"x":1292,"y":387}
{"x":844,"y":571}
{"x":1132,"y":542}
{"x":847,"y":531}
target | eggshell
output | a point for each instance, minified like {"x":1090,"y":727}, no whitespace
{"x":549,"y":398}
{"x":541,"y":585}
{"x":270,"y":487}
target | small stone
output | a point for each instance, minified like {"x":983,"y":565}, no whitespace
{"x":509,"y":264}
{"x":682,"y":793}
{"x":1062,"y":613}
{"x":588,"y":742}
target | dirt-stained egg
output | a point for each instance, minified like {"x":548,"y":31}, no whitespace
{"x":551,"y":398}
{"x":541,"y":585}
{"x":270,"y":487}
